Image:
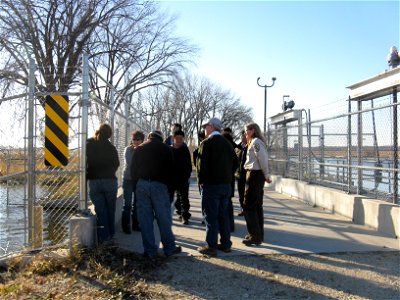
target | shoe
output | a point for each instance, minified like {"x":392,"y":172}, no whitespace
{"x":136,"y":228}
{"x":241,"y":214}
{"x":203,"y":222}
{"x":251,"y":242}
{"x":205,"y":250}
{"x":224,"y":249}
{"x":126,"y":230}
{"x":185,"y":222}
{"x":177,"y":250}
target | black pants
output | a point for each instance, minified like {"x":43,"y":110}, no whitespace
{"x":241,"y":183}
{"x":182,"y":203}
{"x":253,"y":204}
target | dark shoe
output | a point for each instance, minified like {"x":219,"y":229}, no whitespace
{"x":241,"y":214}
{"x":126,"y":230}
{"x":224,"y":249}
{"x":177,"y":250}
{"x":203,"y":222}
{"x":251,"y":242}
{"x":205,"y":250}
{"x":135,"y":228}
{"x":185,"y":222}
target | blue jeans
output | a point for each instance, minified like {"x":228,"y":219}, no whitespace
{"x":103,"y":193}
{"x":153,"y":200}
{"x":214,"y":200}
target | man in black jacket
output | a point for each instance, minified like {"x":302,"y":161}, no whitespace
{"x":216,"y":164}
{"x":181,"y":173}
{"x":151,"y":180}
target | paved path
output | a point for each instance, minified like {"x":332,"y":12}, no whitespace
{"x":291,"y":226}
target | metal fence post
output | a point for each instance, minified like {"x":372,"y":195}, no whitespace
{"x":359,"y":146}
{"x":31,"y":152}
{"x":395,"y":149}
{"x":349,"y":141}
{"x":300,"y":133}
{"x":83,"y":205}
{"x":308,"y":122}
{"x":322,"y":147}
{"x":112,"y":115}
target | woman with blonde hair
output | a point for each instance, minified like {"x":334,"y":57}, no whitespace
{"x":257,"y":174}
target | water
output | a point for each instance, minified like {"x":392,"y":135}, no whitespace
{"x":12,"y":219}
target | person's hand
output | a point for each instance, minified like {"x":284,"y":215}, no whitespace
{"x":268,"y":179}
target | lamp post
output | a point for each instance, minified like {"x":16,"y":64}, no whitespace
{"x":265,"y":100}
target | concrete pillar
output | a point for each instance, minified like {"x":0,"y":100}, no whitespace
{"x":82,"y":232}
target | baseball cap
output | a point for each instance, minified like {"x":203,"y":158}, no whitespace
{"x":215,"y":122}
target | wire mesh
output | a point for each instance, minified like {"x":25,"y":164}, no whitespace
{"x":353,"y":151}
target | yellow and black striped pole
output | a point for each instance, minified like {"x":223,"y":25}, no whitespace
{"x":56,"y":131}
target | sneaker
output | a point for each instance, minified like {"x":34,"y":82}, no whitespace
{"x":251,"y":242}
{"x":205,"y":250}
{"x":177,"y":250}
{"x":224,"y":249}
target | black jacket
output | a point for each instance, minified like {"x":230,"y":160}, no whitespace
{"x":216,"y":161}
{"x":102,"y":159}
{"x":182,"y":164}
{"x":152,"y":160}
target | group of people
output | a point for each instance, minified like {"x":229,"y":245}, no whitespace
{"x":156,"y":171}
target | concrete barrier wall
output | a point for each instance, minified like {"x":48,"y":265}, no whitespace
{"x":380,"y":215}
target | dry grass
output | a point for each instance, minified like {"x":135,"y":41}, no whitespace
{"x":103,"y":273}
{"x":110,"y":273}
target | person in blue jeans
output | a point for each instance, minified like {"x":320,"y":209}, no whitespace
{"x":128,"y":213}
{"x":152,"y":183}
{"x":216,"y":164}
{"x":102,"y":163}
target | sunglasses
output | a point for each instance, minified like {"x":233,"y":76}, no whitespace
{"x":137,"y":140}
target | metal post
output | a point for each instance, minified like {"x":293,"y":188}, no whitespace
{"x":349,"y":141}
{"x":265,"y":100}
{"x":395,"y":149}
{"x":322,"y":147}
{"x":83,"y":205}
{"x":309,"y":145}
{"x":112,"y":116}
{"x":31,"y":153}
{"x":359,"y":147}
{"x":300,"y":133}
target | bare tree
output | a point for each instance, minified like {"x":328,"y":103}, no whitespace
{"x":54,"y":33}
{"x":191,"y":102}
{"x":127,"y":40}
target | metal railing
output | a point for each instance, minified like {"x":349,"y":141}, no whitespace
{"x":356,"y":152}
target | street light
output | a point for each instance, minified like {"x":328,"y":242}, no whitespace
{"x":265,"y":99}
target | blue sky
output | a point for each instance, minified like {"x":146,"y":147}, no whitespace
{"x":314,"y":48}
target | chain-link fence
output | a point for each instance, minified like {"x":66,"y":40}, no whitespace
{"x":37,"y":200}
{"x":356,"y":151}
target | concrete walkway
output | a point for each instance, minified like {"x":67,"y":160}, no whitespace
{"x":291,"y":226}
